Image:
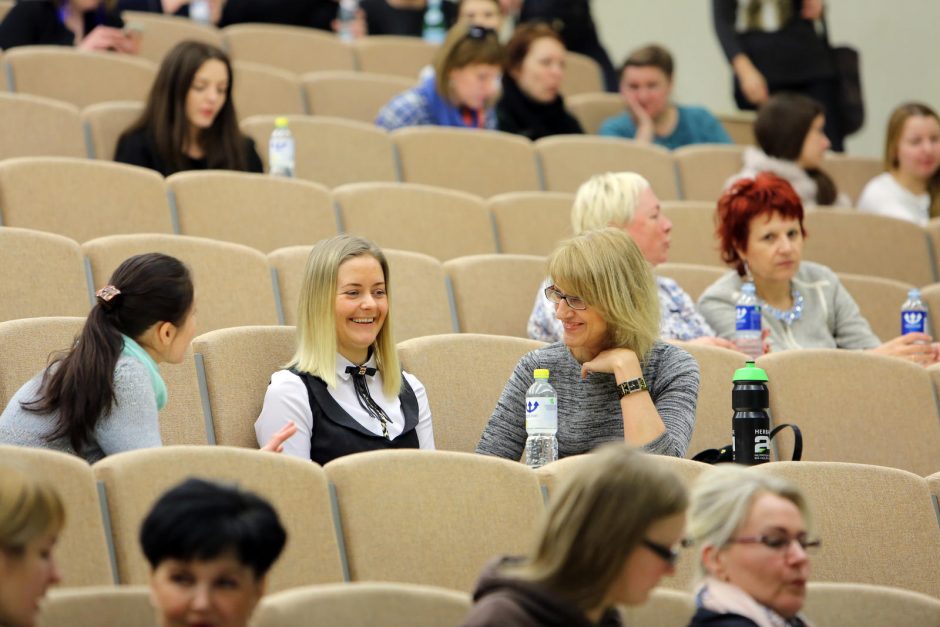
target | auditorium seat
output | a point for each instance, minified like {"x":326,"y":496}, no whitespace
{"x":592,"y":109}
{"x":265,"y":90}
{"x":162,"y":32}
{"x":692,"y":278}
{"x":866,"y":605}
{"x":531,"y":223}
{"x":880,"y":303}
{"x":740,"y":126}
{"x":292,"y":48}
{"x":851,"y":173}
{"x":665,"y":608}
{"x":393,"y":54}
{"x":693,"y":238}
{"x":34,"y":126}
{"x":351,"y":95}
{"x":105,"y":122}
{"x":96,"y":606}
{"x":583,"y":75}
{"x":704,"y":168}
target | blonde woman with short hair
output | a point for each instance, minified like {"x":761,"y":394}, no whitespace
{"x":31,"y":517}
{"x":607,"y":538}
{"x":344,"y":387}
{"x":615,"y":380}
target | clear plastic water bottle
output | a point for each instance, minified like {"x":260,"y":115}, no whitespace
{"x":346,"y":16}
{"x":200,"y":11}
{"x":541,"y":422}
{"x":281,"y":149}
{"x":434,"y":30}
{"x":747,"y":324}
{"x":913,"y":314}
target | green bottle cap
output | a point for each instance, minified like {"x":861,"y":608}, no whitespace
{"x":750,"y":372}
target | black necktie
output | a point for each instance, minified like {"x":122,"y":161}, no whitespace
{"x":359,"y":374}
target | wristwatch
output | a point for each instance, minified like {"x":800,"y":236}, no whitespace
{"x":632,"y":386}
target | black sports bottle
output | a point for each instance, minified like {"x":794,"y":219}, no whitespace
{"x":750,"y":424}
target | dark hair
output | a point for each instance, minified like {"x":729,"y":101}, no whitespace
{"x":202,"y":520}
{"x":164,"y":116}
{"x":522,"y":39}
{"x":781,"y":127}
{"x":79,"y":383}
{"x":744,"y":201}
{"x":652,"y":55}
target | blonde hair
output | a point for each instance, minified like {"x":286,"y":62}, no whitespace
{"x":608,"y":199}
{"x":722,"y":498}
{"x":461,"y":50}
{"x":896,"y":122}
{"x":29,"y":507}
{"x":608,"y":271}
{"x":596,"y":518}
{"x":316,"y":313}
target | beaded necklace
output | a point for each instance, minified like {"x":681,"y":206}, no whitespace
{"x":792,"y":314}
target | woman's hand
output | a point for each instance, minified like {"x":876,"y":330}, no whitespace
{"x":276,"y":443}
{"x":916,"y":347}
{"x":621,"y":362}
{"x":752,"y":81}
{"x":812,"y":9}
{"x":110,"y":38}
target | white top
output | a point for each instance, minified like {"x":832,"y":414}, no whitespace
{"x":884,"y":196}
{"x":287,"y":399}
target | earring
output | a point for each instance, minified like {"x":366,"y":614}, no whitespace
{"x":747,"y":271}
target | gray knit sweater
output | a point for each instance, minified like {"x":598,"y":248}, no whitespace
{"x":589,"y":411}
{"x":132,"y":423}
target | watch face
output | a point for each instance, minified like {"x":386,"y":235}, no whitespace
{"x":633,"y":385}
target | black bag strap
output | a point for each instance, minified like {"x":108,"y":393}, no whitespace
{"x":797,"y":439}
{"x":724,"y":454}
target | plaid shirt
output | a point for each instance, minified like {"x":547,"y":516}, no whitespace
{"x":410,"y":108}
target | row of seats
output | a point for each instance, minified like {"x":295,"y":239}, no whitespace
{"x":852,"y":406}
{"x":386,"y":604}
{"x":436,"y":517}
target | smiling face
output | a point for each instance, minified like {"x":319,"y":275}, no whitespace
{"x":472,"y":86}
{"x":24,"y":579}
{"x":361,"y":306}
{"x":649,"y":86}
{"x":815,"y":145}
{"x":918,"y":150}
{"x":542,"y":70}
{"x":774,"y":247}
{"x":585,"y":330}
{"x":650,"y":229}
{"x":220,"y":592}
{"x":207,"y":93}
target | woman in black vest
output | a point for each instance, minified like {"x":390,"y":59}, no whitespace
{"x":344,"y":387}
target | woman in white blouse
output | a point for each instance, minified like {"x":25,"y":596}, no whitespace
{"x":344,"y":387}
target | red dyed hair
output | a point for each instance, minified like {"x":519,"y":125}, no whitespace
{"x":745,"y":200}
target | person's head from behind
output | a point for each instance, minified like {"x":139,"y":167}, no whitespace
{"x":535,"y":59}
{"x":344,"y":308}
{"x":209,"y":547}
{"x":760,"y":228}
{"x":467,"y":66}
{"x":604,"y":294}
{"x":610,"y":529}
{"x":31,"y":517}
{"x":751,"y":530}
{"x":646,"y":79}
{"x":789,"y":126}
{"x":485,"y":13}
{"x":626,"y":201}
{"x":912,"y":145}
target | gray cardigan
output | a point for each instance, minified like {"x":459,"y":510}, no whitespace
{"x":830,"y":318}
{"x":131,"y":424}
{"x":589,"y":411}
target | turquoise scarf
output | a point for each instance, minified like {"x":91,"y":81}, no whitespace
{"x":133,"y":349}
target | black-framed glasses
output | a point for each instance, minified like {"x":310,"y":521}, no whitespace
{"x":780,"y":543}
{"x":555,"y":295}
{"x":665,"y":553}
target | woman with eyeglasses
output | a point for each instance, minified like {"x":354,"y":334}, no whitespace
{"x":467,"y":68}
{"x":753,"y":538}
{"x":615,"y":380}
{"x":591,"y":552}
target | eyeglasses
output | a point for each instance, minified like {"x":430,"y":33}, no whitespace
{"x":667,"y":554}
{"x":555,"y":295}
{"x":479,"y":32}
{"x":780,"y":543}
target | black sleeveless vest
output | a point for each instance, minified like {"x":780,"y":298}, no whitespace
{"x":336,"y":433}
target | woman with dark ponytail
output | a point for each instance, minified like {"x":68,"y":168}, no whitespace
{"x":102,"y":395}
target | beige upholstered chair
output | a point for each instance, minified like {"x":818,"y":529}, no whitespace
{"x":485,"y":163}
{"x":5,"y":6}
{"x":570,"y":160}
{"x":26,"y":346}
{"x":851,"y":173}
{"x":592,"y":109}
{"x":265,"y":90}
{"x":332,"y":151}
{"x":469,"y":508}
{"x":33,"y":126}
{"x":235,"y":367}
{"x":264,"y":212}
{"x":394,"y":55}
{"x":531,"y":223}
{"x":931,"y":297}
{"x":868,"y":606}
{"x":162,"y":32}
{"x":441,"y":362}
{"x":855,"y":406}
{"x":82,"y":549}
{"x":296,"y":488}
{"x":880,"y":302}
{"x":484,"y":282}
{"x":934,"y":482}
{"x":352,"y":95}
{"x":233,"y":282}
{"x":582,"y":75}
{"x":292,"y":48}
{"x":443,"y":223}
{"x":693,"y":233}
{"x":81,"y":78}
{"x":371,"y":604}
{"x":82,"y":199}
{"x":933,"y":235}
{"x":878,"y":525}
{"x":692,"y":278}
{"x":182,"y":420}
{"x":863,"y":243}
{"x":105,"y":122}
{"x":740,"y":126}
{"x":96,"y":606}
{"x":703,"y":169}
{"x":666,"y":608}
{"x":41,"y":274}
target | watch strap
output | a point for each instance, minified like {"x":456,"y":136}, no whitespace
{"x":632,"y":386}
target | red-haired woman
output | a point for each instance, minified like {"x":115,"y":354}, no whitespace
{"x":803,"y":304}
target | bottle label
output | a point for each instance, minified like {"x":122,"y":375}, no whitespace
{"x":281,"y":156}
{"x":913,"y":322}
{"x":541,"y":414}
{"x":747,"y":317}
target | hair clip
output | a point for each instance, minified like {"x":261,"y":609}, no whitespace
{"x":479,"y":32}
{"x":106,"y":293}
